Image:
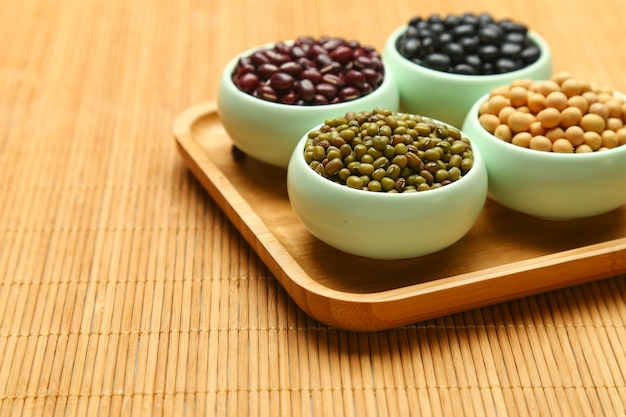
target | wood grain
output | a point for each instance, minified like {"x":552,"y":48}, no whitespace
{"x":504,"y":256}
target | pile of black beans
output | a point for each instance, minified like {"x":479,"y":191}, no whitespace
{"x":310,"y":71}
{"x":471,"y":44}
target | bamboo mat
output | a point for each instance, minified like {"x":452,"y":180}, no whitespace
{"x":124,"y":291}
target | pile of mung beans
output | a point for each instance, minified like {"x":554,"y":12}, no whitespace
{"x":385,"y":151}
{"x":470,"y":44}
{"x":563,"y":114}
{"x":310,"y":71}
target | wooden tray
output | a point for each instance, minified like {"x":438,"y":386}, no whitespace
{"x":506,"y":255}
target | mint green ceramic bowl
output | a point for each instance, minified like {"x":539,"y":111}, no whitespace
{"x":269,"y":131}
{"x":446,"y":96}
{"x":546,"y":184}
{"x":381,"y":225}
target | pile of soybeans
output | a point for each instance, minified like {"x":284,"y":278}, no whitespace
{"x":562,"y":114}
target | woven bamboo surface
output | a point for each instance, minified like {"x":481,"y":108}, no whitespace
{"x":125,"y":291}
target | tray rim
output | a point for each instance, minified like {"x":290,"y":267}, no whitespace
{"x":393,"y":307}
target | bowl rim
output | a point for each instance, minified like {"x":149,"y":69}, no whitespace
{"x":472,"y":117}
{"x":227,"y":82}
{"x":391,"y":52}
{"x":385,"y":195}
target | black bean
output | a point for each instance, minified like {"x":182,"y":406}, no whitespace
{"x":488,"y":52}
{"x":451,"y":20}
{"x":515,"y":37}
{"x":454,"y":51}
{"x":469,"y":43}
{"x":437,"y":27}
{"x":481,"y":37}
{"x":465,"y":69}
{"x":474,"y":61}
{"x":485,"y":19}
{"x":462,"y":31}
{"x":490,"y":34}
{"x":530,"y":54}
{"x":514,"y":27}
{"x":427,"y":47}
{"x":437,"y":61}
{"x":445,"y":37}
{"x":506,"y":65}
{"x":435,"y":19}
{"x":510,"y":50}
{"x":488,"y":68}
{"x":425,"y":32}
{"x":408,"y":46}
{"x":469,"y":18}
{"x":415,"y":21}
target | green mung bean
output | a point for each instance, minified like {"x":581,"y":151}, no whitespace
{"x":383,"y":151}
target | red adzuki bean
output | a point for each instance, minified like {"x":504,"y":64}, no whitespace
{"x":290,"y":97}
{"x":310,"y":71}
{"x":349,"y":93}
{"x":266,"y":92}
{"x":281,"y":81}
{"x":322,"y":60}
{"x":248,"y":82}
{"x":355,"y":78}
{"x":266,"y":70}
{"x":336,"y":80}
{"x":291,"y":68}
{"x":306,"y":89}
{"x":311,"y":74}
{"x":327,"y":90}
{"x":342,"y":54}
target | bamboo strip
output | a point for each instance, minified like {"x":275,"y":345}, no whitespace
{"x":124,"y":291}
{"x":479,"y":334}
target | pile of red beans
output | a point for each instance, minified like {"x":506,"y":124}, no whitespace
{"x":310,"y":71}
